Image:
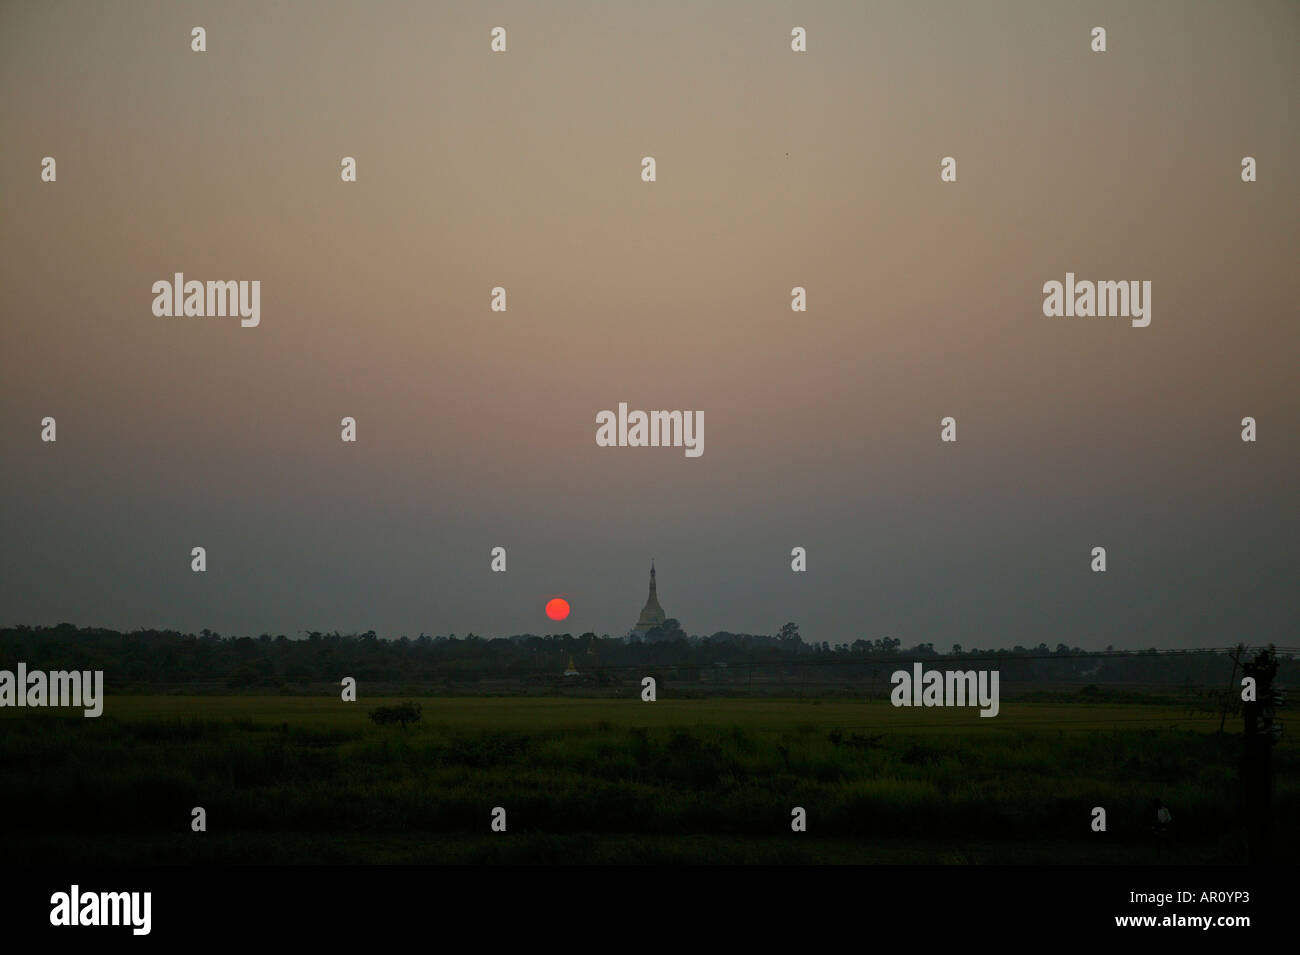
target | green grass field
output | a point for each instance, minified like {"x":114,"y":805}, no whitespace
{"x":295,"y":779}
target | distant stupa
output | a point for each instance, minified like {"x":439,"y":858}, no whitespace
{"x":652,"y":615}
{"x":572,"y":670}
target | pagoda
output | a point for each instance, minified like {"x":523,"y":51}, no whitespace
{"x":652,"y":615}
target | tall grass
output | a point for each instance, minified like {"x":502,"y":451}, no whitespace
{"x":333,"y":787}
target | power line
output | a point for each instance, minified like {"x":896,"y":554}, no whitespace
{"x":896,"y":657}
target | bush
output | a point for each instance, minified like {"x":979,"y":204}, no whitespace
{"x":402,"y":713}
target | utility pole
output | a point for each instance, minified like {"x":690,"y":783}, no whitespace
{"x":1232,"y":684}
{"x":1257,"y":763}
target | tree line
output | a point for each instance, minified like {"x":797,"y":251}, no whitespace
{"x":172,"y":657}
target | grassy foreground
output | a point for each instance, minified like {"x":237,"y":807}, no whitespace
{"x":293,"y":779}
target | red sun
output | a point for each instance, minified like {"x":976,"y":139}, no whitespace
{"x":557,"y":608}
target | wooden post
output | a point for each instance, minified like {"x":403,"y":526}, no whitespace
{"x":1232,"y":685}
{"x":1257,"y":765}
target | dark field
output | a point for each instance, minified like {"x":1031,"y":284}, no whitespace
{"x":314,"y":780}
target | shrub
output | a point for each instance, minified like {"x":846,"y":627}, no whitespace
{"x":402,"y":713}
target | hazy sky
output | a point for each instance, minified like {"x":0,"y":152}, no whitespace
{"x":775,"y":169}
